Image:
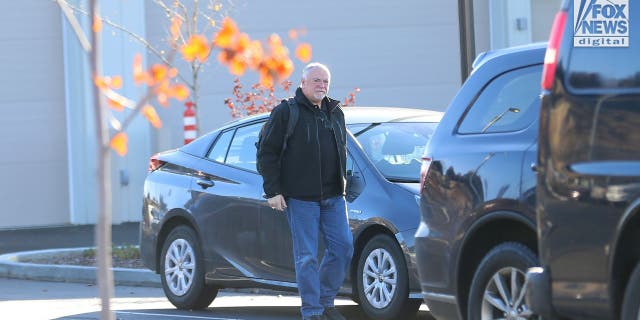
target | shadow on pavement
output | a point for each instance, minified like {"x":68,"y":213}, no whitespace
{"x":229,"y":313}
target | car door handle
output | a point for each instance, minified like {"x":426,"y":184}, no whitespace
{"x":534,"y":167}
{"x":205,"y":183}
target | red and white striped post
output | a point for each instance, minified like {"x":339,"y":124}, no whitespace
{"x":190,"y":130}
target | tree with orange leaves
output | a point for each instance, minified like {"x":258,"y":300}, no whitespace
{"x":236,"y":51}
{"x":194,"y":33}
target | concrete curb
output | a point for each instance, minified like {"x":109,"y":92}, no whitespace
{"x":12,"y":265}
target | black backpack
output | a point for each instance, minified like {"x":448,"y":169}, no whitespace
{"x":291,"y":124}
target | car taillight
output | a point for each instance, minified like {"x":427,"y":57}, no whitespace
{"x":551,"y":56}
{"x":155,"y":163}
{"x":424,"y":170}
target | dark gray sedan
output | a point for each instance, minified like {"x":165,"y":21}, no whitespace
{"x":206,"y":226}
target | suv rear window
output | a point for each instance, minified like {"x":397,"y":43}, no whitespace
{"x":510,"y":102}
{"x":602,"y":67}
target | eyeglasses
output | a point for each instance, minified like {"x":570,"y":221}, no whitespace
{"x":319,"y":81}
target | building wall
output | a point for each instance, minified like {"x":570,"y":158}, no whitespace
{"x":539,"y":20}
{"x":542,"y":14}
{"x":33,"y":165}
{"x":404,"y":55}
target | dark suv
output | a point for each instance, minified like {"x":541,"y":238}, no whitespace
{"x":588,"y":194}
{"x":477,"y":235}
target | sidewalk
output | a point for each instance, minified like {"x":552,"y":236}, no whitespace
{"x":17,"y":245}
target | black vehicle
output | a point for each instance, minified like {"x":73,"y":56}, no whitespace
{"x":477,"y":235}
{"x":588,"y":191}
{"x":206,"y":226}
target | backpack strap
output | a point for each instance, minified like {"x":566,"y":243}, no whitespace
{"x":291,"y":124}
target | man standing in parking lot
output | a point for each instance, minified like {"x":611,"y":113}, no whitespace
{"x":307,"y":182}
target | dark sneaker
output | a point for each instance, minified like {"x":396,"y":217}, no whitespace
{"x":331,"y":313}
{"x":316,"y":317}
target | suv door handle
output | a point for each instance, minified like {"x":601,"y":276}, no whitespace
{"x":205,"y":183}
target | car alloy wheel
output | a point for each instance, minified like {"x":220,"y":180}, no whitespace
{"x":504,"y":295}
{"x":380,"y":278}
{"x":182,"y":270}
{"x":383,"y":282}
{"x":498,"y":287}
{"x":179,"y":267}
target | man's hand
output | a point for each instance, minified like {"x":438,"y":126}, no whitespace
{"x":277,"y":202}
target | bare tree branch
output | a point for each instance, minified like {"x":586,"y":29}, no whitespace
{"x":137,"y":37}
{"x":73,"y":21}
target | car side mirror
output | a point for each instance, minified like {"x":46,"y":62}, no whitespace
{"x":355,"y":185}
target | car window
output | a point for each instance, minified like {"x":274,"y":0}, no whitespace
{"x":595,"y":64}
{"x":219,"y":151}
{"x":395,"y":148}
{"x":242,"y":151}
{"x":510,"y":102}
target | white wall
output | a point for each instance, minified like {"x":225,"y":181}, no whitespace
{"x":399,"y":54}
{"x":33,"y":166}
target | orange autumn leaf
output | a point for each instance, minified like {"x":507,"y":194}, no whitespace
{"x":242,"y":44}
{"x":150,"y":113}
{"x":163,"y":98}
{"x":256,"y":54}
{"x":179,"y":91}
{"x":237,"y":66}
{"x":266,"y":79}
{"x":105,"y":83}
{"x":176,"y":23}
{"x":293,"y":34}
{"x":116,"y":82}
{"x":119,"y":143}
{"x":139,"y":74}
{"x":225,"y":57}
{"x":284,"y":69}
{"x":115,"y":104}
{"x":97,"y":24}
{"x":100,"y":82}
{"x":196,"y":48}
{"x":173,"y":72}
{"x":226,"y":36}
{"x":303,"y":52}
{"x":158,"y":72}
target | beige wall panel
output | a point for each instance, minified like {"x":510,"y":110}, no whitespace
{"x":542,"y":14}
{"x":399,"y":54}
{"x":33,"y":167}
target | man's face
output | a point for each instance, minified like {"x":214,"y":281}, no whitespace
{"x":316,"y":86}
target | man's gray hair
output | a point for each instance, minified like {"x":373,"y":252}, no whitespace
{"x":314,"y":65}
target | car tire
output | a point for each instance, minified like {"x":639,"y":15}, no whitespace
{"x":182,"y":271}
{"x":383,"y":282}
{"x":631,"y":301}
{"x":498,"y":286}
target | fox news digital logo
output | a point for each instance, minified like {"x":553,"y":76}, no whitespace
{"x":601,"y":23}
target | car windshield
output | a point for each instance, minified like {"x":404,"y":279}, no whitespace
{"x":395,"y":148}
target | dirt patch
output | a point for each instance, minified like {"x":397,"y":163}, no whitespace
{"x":82,"y":259}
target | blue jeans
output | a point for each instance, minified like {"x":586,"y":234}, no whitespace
{"x":318,"y":286}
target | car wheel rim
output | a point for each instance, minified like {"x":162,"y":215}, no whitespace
{"x":380,"y":278}
{"x":179,"y":267}
{"x":504,"y":296}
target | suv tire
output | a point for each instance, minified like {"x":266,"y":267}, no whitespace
{"x":501,"y":271}
{"x":631,"y":302}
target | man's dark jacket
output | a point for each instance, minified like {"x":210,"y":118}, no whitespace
{"x":299,"y":174}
